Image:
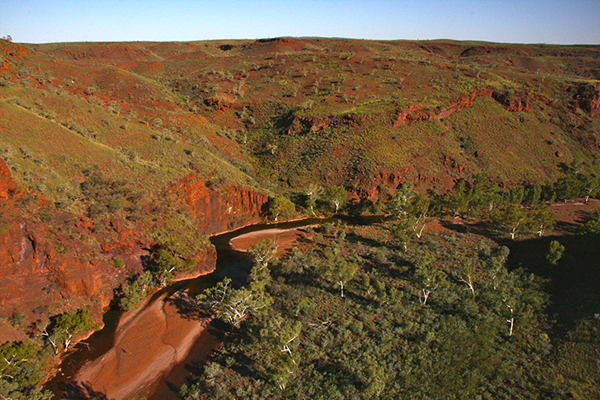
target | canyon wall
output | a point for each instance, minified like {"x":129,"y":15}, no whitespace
{"x":222,"y":207}
{"x":67,"y":262}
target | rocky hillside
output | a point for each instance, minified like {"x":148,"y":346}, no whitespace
{"x":115,"y":152}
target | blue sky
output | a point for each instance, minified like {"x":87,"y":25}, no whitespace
{"x":525,"y":21}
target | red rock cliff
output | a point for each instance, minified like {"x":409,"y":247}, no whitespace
{"x":69,"y":261}
{"x":221,"y":208}
{"x":34,"y":273}
{"x":53,"y":264}
{"x":415,"y":113}
{"x":8,"y":187}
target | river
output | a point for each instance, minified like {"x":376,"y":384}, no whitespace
{"x":148,"y":352}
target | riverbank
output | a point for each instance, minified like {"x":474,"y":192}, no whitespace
{"x":147,"y":345}
{"x":284,"y":238}
{"x":152,"y":346}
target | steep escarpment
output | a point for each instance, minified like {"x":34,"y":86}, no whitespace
{"x":219,"y":207}
{"x":416,"y":113}
{"x":53,"y":261}
{"x":512,"y":102}
{"x":586,"y":97}
{"x":42,"y":269}
{"x":8,"y":187}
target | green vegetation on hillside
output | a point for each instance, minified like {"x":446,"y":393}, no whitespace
{"x":102,"y":139}
{"x":24,"y":363}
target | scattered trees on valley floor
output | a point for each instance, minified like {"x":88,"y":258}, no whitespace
{"x":516,"y":211}
{"x":367,"y":317}
{"x":347,"y":294}
{"x":443,"y":316}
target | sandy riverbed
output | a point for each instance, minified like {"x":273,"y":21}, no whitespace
{"x":148,"y":344}
{"x":155,"y":340}
{"x":285,"y":238}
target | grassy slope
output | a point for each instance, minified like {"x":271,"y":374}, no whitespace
{"x":232,"y":99}
{"x":283,"y":113}
{"x":150,"y":113}
{"x":78,"y":136}
{"x":324,"y":79}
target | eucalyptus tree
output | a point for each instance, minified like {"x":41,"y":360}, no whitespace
{"x":234,"y":305}
{"x":399,"y":202}
{"x":264,"y":252}
{"x":428,"y":275}
{"x":466,"y":274}
{"x":282,"y":334}
{"x":280,"y":207}
{"x":511,"y":219}
{"x":493,"y":263}
{"x":313,"y":193}
{"x":339,"y":271}
{"x":64,"y":327}
{"x":337,"y":195}
{"x":21,"y":371}
{"x":542,"y":220}
{"x":590,"y":186}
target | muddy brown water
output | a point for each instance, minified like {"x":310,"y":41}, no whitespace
{"x":230,"y":263}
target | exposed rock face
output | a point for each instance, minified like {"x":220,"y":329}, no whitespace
{"x":222,"y":208}
{"x":303,"y":125}
{"x":390,"y":180}
{"x":58,"y":268}
{"x":35,"y":273}
{"x":463,"y":102}
{"x":8,"y":187}
{"x":64,"y":269}
{"x":415,"y":113}
{"x":515,"y":103}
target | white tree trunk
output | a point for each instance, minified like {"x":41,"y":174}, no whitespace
{"x":421,"y":231}
{"x":514,"y":230}
{"x":45,"y":333}
{"x":469,"y":283}
{"x":510,"y":320}
{"x":512,"y":324}
{"x":426,"y":294}
{"x":542,"y":230}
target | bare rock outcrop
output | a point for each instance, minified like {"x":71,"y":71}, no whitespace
{"x":220,"y":207}
{"x":415,"y":113}
{"x":8,"y":187}
{"x":586,"y":96}
{"x":66,"y":261}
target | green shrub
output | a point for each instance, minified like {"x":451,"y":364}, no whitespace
{"x":592,"y":226}
{"x":133,"y":296}
{"x":554,"y":252}
{"x":118,"y":261}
